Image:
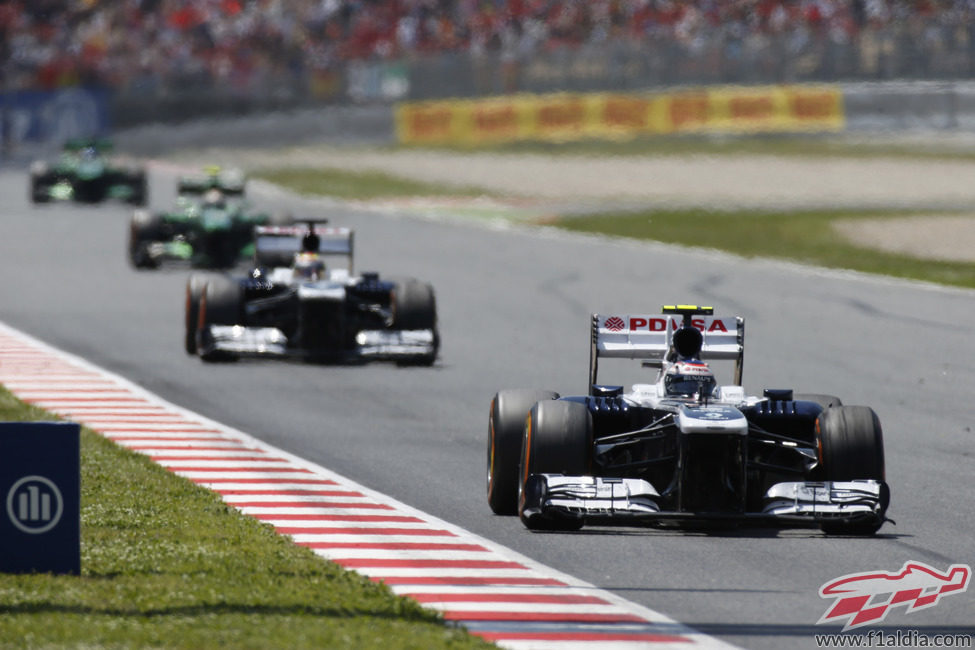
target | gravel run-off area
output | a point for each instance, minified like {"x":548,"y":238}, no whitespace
{"x":567,"y":184}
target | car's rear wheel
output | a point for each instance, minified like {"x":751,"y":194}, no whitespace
{"x":851,"y":443}
{"x":220,"y":304}
{"x":557,"y":440}
{"x":140,"y":188}
{"x":506,"y":429}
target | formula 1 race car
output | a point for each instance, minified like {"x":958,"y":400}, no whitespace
{"x":292,"y":306}
{"x":210,"y":226}
{"x":683,"y":450}
{"x":85,"y":173}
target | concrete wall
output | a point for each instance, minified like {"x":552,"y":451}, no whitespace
{"x":893,"y":107}
{"x":335,"y":124}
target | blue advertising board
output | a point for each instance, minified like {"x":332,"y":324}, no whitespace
{"x":40,"y":497}
{"x":54,"y":116}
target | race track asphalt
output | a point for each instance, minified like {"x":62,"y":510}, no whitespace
{"x":514,"y":311}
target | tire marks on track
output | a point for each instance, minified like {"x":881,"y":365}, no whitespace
{"x":492,"y":591}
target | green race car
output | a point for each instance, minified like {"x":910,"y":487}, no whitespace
{"x":211,"y":225}
{"x":85,"y":172}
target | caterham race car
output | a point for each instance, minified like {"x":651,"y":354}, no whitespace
{"x":211,"y":225}
{"x":291,"y":305}
{"x":85,"y":172}
{"x":683,"y":451}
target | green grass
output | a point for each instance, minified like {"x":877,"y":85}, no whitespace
{"x":803,"y":236}
{"x":358,"y":185}
{"x":165,"y":563}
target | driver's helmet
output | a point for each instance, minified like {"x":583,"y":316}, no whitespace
{"x":214,"y":199}
{"x":308,"y":267}
{"x":689,"y":378}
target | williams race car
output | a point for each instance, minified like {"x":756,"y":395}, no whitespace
{"x":85,"y":173}
{"x":683,"y":450}
{"x":291,"y":305}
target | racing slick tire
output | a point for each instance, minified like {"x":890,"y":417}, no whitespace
{"x":506,"y":428}
{"x":415,"y":308}
{"x":144,"y":228}
{"x":140,"y":188}
{"x":414,"y":305}
{"x":194,"y":291}
{"x":220,"y":304}
{"x":38,"y":190}
{"x":557,"y":440}
{"x":852,"y":446}
{"x":825,"y":401}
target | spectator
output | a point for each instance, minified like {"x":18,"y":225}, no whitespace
{"x":144,"y":45}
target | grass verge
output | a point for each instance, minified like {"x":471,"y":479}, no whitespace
{"x":166,"y":564}
{"x":343,"y":184}
{"x":804,"y":236}
{"x":768,"y":145}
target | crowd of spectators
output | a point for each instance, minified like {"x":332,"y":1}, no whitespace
{"x":242,"y":44}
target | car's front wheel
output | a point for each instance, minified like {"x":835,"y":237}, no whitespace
{"x":220,"y":304}
{"x":557,"y":440}
{"x":194,"y":291}
{"x":144,"y":228}
{"x":851,"y":441}
{"x":506,"y":428}
{"x":414,"y":307}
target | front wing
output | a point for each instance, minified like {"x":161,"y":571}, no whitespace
{"x":622,"y":501}
{"x":393,"y":345}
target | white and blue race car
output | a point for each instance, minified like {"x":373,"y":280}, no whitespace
{"x":683,"y":449}
{"x":293,"y":305}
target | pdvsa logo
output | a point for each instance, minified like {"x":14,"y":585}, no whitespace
{"x":34,"y":504}
{"x":614,"y":324}
{"x":660,"y":324}
{"x":865,"y":598}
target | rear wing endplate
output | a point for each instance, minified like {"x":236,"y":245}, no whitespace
{"x":277,"y":245}
{"x":650,"y":339}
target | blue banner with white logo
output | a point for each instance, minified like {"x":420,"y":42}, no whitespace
{"x":52,"y":117}
{"x":40,"y":488}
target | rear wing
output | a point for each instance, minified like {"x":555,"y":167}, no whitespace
{"x":229,"y":181}
{"x":101,"y":145}
{"x":650,"y":338}
{"x":277,"y":245}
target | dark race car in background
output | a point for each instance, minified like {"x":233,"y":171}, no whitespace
{"x":333,"y":315}
{"x":687,"y":452}
{"x":85,"y":172}
{"x":211,"y":225}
